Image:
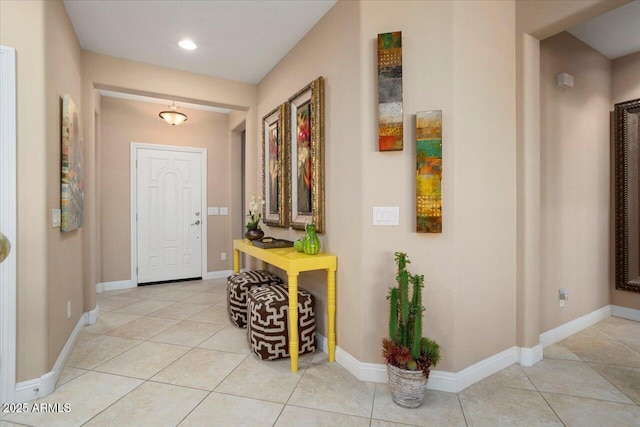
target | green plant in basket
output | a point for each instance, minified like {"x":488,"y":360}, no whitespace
{"x":406,"y":348}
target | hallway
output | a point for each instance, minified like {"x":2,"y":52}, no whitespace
{"x":167,"y":355}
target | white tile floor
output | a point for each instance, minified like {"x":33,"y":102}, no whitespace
{"x":167,"y":355}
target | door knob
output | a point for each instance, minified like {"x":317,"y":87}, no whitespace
{"x":197,"y":222}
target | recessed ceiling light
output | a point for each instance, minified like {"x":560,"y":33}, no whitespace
{"x":187,"y":44}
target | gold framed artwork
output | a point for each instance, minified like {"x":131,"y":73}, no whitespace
{"x":306,"y":149}
{"x":274,"y":167}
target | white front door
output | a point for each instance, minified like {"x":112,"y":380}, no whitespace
{"x":169,"y":227}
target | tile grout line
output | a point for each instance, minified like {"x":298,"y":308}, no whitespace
{"x":373,"y":403}
{"x":209,"y":392}
{"x":116,"y":401}
{"x":613,"y":384}
{"x":144,"y":381}
{"x":588,"y":363}
{"x":553,"y":410}
{"x":195,"y":407}
{"x":590,"y":398}
{"x":464,"y":416}
{"x":542,"y":396}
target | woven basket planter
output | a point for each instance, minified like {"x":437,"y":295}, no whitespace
{"x":407,"y":387}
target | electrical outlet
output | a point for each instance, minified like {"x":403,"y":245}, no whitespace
{"x":223,"y":256}
{"x":224,"y":211}
{"x":563,"y":296}
{"x":55,"y":218}
{"x":68,"y":309}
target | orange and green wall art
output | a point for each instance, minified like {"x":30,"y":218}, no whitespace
{"x":390,"y":91}
{"x":429,"y":171}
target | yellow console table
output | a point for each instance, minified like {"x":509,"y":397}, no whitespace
{"x":294,"y":263}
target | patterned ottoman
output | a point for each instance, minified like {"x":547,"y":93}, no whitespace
{"x":268,"y":327}
{"x":238,"y":285}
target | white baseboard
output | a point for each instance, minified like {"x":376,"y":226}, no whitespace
{"x":438,"y":380}
{"x":371,"y":372}
{"x":91,"y":317}
{"x":114,"y":286}
{"x":564,"y":331}
{"x":46,"y":384}
{"x":625,"y":313}
{"x":484,"y":368}
{"x":222,"y":274}
{"x":457,"y":381}
{"x":529,"y":356}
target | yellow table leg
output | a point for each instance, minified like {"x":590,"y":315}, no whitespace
{"x":331,"y":313}
{"x":293,"y":321}
{"x":236,"y":261}
{"x":265,"y":265}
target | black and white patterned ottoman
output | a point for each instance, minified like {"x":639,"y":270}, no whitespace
{"x":238,"y":285}
{"x":268,"y":327}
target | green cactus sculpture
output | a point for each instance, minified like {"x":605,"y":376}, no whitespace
{"x":406,"y":348}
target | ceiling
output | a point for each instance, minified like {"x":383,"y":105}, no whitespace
{"x":239,"y":40}
{"x":614,"y":34}
{"x":243,"y":40}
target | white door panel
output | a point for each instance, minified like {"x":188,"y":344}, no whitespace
{"x":169,"y":218}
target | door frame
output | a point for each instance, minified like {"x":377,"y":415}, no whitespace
{"x":135,"y":146}
{"x":8,"y":223}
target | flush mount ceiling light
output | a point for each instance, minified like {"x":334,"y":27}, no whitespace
{"x":172,"y":116}
{"x":187,"y":44}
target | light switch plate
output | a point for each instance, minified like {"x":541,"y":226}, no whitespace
{"x":389,"y":215}
{"x":55,"y":218}
{"x":224,"y":211}
{"x":212,"y":211}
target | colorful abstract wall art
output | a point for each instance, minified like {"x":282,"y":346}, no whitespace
{"x":390,"y":91}
{"x":71,"y":194}
{"x":429,"y":171}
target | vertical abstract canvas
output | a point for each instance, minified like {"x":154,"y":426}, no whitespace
{"x":71,"y":192}
{"x":390,"y":91}
{"x":429,"y":171}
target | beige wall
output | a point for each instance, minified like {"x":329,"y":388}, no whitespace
{"x":22,"y":27}
{"x":626,"y":78}
{"x":64,"y":250}
{"x":445,"y":67}
{"x":125,"y":121}
{"x":50,"y":263}
{"x":330,"y":49}
{"x":574,"y":180}
{"x":106,"y":72}
{"x":626,"y":86}
{"x":466,"y":69}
